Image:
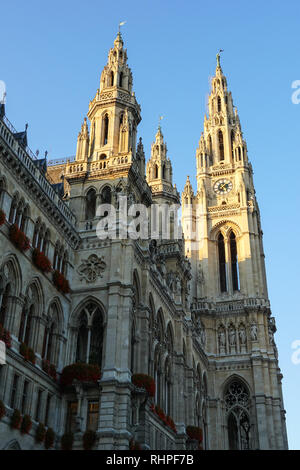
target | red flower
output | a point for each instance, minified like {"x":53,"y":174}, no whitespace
{"x":2,"y":217}
{"x":41,"y":261}
{"x":19,"y":238}
{"x":80,"y":371}
{"x":194,"y":433}
{"x":61,"y":283}
{"x":144,"y":381}
{"x":5,"y":336}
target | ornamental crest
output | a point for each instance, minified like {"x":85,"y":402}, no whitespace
{"x":91,"y":268}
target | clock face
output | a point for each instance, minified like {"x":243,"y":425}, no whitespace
{"x":222,"y":186}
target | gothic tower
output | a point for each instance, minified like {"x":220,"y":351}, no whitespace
{"x":229,"y":291}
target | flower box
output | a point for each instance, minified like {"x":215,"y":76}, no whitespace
{"x":61,"y":283}
{"x":144,"y":381}
{"x":16,"y":420}
{"x":194,"y":433}
{"x":40,"y":433}
{"x":27,"y":353}
{"x":89,"y":439}
{"x":167,"y":420}
{"x":5,"y":336}
{"x":26,"y":424}
{"x":2,"y":409}
{"x":49,"y":368}
{"x":2,"y":217}
{"x":18,"y":238}
{"x":49,"y":438}
{"x":81,"y":372}
{"x":41,"y":261}
{"x":134,"y":445}
{"x":67,"y":441}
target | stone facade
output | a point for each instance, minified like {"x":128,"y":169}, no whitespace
{"x":193,"y":314}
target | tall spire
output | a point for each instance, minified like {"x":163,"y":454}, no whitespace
{"x":114,"y":113}
{"x":159,"y":168}
{"x":222,"y":142}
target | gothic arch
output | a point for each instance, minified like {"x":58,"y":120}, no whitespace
{"x":82,"y":304}
{"x":12,"y":445}
{"x":10,"y":269}
{"x":55,"y":302}
{"x":237,"y":409}
{"x":225,"y":227}
{"x":35,"y":290}
{"x":136,"y":289}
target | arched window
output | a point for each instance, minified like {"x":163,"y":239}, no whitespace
{"x":27,"y":336}
{"x":106,"y":195}
{"x":132,"y":348}
{"x":237,"y":403}
{"x":90,"y":204}
{"x":64,"y":264}
{"x":168,"y":388}
{"x":105,"y":129}
{"x":82,"y":339}
{"x":234,"y":262}
{"x":112,"y":78}
{"x":240,"y":153}
{"x":24,"y":218}
{"x":221,"y":145}
{"x":219,"y":104}
{"x":156,"y":171}
{"x":26,"y":324}
{"x":95,"y":356}
{"x":121,"y":79}
{"x":90,"y":335}
{"x":222,"y":263}
{"x":13,"y":209}
{"x":232,"y":140}
{"x":164,"y":172}
{"x":4,"y":304}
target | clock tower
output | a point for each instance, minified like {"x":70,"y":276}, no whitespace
{"x":228,"y":293}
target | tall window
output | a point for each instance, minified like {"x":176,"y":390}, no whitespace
{"x":106,"y":195}
{"x":4,"y":303}
{"x":234,"y":262}
{"x":219,"y":104}
{"x":90,"y":336}
{"x":24,"y":396}
{"x":222,"y":263}
{"x":121,"y":79}
{"x":14,"y":389}
{"x":221,"y":145}
{"x":92,"y":415}
{"x":232,"y":140}
{"x":71,"y":416}
{"x":105,"y":129}
{"x":111,"y":79}
{"x":90,"y":208}
{"x":38,"y":405}
{"x":237,"y":402}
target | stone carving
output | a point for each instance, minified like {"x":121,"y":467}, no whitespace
{"x":253,"y":332}
{"x":222,"y":339}
{"x":271,"y":335}
{"x":242,"y":336}
{"x":232,"y":337}
{"x":91,"y":268}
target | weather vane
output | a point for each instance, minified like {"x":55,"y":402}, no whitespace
{"x":121,"y":24}
{"x":218,"y":57}
{"x":159,"y":119}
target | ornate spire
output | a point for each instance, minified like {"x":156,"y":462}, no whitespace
{"x":220,"y":143}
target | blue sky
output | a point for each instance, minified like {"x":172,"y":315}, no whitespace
{"x":52,"y":55}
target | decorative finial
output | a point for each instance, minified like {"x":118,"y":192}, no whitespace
{"x":121,"y":24}
{"x":26,"y":126}
{"x":46,"y":153}
{"x":218,"y":57}
{"x":159,"y":120}
{"x":37,"y":152}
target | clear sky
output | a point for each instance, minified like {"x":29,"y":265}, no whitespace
{"x":52,"y":54}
